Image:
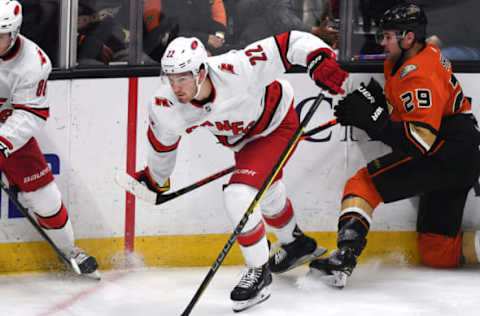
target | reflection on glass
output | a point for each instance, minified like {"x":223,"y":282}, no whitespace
{"x":451,"y":26}
{"x":103,"y":34}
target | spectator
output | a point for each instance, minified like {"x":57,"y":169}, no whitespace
{"x":273,"y":17}
{"x":41,"y":25}
{"x":372,"y":11}
{"x":158,"y":29}
{"x":204,"y":19}
{"x":323,"y":17}
{"x":103,"y":31}
{"x":452,"y":27}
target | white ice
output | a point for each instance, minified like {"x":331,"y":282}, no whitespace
{"x":374,"y":289}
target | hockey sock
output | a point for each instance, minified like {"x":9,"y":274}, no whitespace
{"x":353,"y":227}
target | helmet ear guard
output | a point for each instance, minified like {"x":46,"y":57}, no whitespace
{"x":10,"y":19}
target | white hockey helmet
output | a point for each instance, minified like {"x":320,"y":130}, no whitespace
{"x":10,"y":19}
{"x":184,"y":54}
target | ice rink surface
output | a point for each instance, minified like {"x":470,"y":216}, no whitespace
{"x":373,"y":289}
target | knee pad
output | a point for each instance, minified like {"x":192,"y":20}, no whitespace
{"x":362,"y":185}
{"x":47,"y":205}
{"x":237,"y":199}
{"x":440,"y":251}
{"x":274,"y":199}
{"x":45,"y":201}
{"x":277,"y":209}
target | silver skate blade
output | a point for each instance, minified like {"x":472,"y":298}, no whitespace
{"x":74,"y":266}
{"x":315,"y":254}
{"x":239,"y":306}
{"x":336,"y":279}
{"x":131,"y":184}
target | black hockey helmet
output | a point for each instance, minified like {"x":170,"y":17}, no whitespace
{"x":405,"y":17}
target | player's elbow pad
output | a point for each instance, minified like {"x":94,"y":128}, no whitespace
{"x":398,"y":135}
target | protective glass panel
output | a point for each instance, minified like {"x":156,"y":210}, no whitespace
{"x":103,"y":32}
{"x":40,"y":24}
{"x":451,"y":26}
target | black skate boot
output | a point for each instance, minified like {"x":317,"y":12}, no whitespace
{"x":84,"y":264}
{"x":336,"y":268}
{"x":252,"y":288}
{"x":296,"y":253}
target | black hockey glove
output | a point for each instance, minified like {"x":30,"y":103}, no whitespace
{"x":377,"y":91}
{"x":364,"y":109}
{"x":145,"y":177}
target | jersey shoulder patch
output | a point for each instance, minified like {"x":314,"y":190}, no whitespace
{"x":406,"y":70}
{"x":228,"y":63}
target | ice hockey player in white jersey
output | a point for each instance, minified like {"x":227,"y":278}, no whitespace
{"x":237,"y":97}
{"x":24,"y":109}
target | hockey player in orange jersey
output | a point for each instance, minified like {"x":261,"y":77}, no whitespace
{"x":427,"y":121}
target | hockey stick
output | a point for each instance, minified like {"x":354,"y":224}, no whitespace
{"x":318,"y":129}
{"x":130,"y":184}
{"x":280,"y":162}
{"x":69,"y":262}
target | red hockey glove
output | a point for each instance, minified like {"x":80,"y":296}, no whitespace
{"x":145,"y":177}
{"x":325,"y":71}
{"x":5,"y":148}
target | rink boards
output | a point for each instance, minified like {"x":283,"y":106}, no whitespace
{"x":98,"y":127}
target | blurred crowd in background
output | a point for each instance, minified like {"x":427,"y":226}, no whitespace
{"x":104,"y":26}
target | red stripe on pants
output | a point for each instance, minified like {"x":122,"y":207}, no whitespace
{"x":253,"y":236}
{"x":282,"y":218}
{"x":56,"y":221}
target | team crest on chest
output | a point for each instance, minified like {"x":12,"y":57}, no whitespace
{"x":406,"y":70}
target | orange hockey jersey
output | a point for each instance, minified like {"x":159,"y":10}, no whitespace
{"x":423,"y":90}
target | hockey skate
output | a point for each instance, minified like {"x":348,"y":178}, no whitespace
{"x":294,"y":254}
{"x":335,"y":269}
{"x":252,"y":289}
{"x":84,"y":264}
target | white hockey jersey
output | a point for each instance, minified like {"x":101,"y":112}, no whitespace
{"x":23,"y":93}
{"x":246,"y":99}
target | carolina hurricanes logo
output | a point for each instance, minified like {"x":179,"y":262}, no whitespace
{"x":227,"y":68}
{"x":163,"y":102}
{"x":194,"y":45}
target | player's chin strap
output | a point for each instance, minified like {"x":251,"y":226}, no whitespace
{"x":198,"y":83}
{"x":404,"y":50}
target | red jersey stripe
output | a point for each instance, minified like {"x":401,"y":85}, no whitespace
{"x":282,"y":41}
{"x":43,"y":113}
{"x":159,"y":147}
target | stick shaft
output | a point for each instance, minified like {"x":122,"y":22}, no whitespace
{"x":32,"y":221}
{"x":281,"y":161}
